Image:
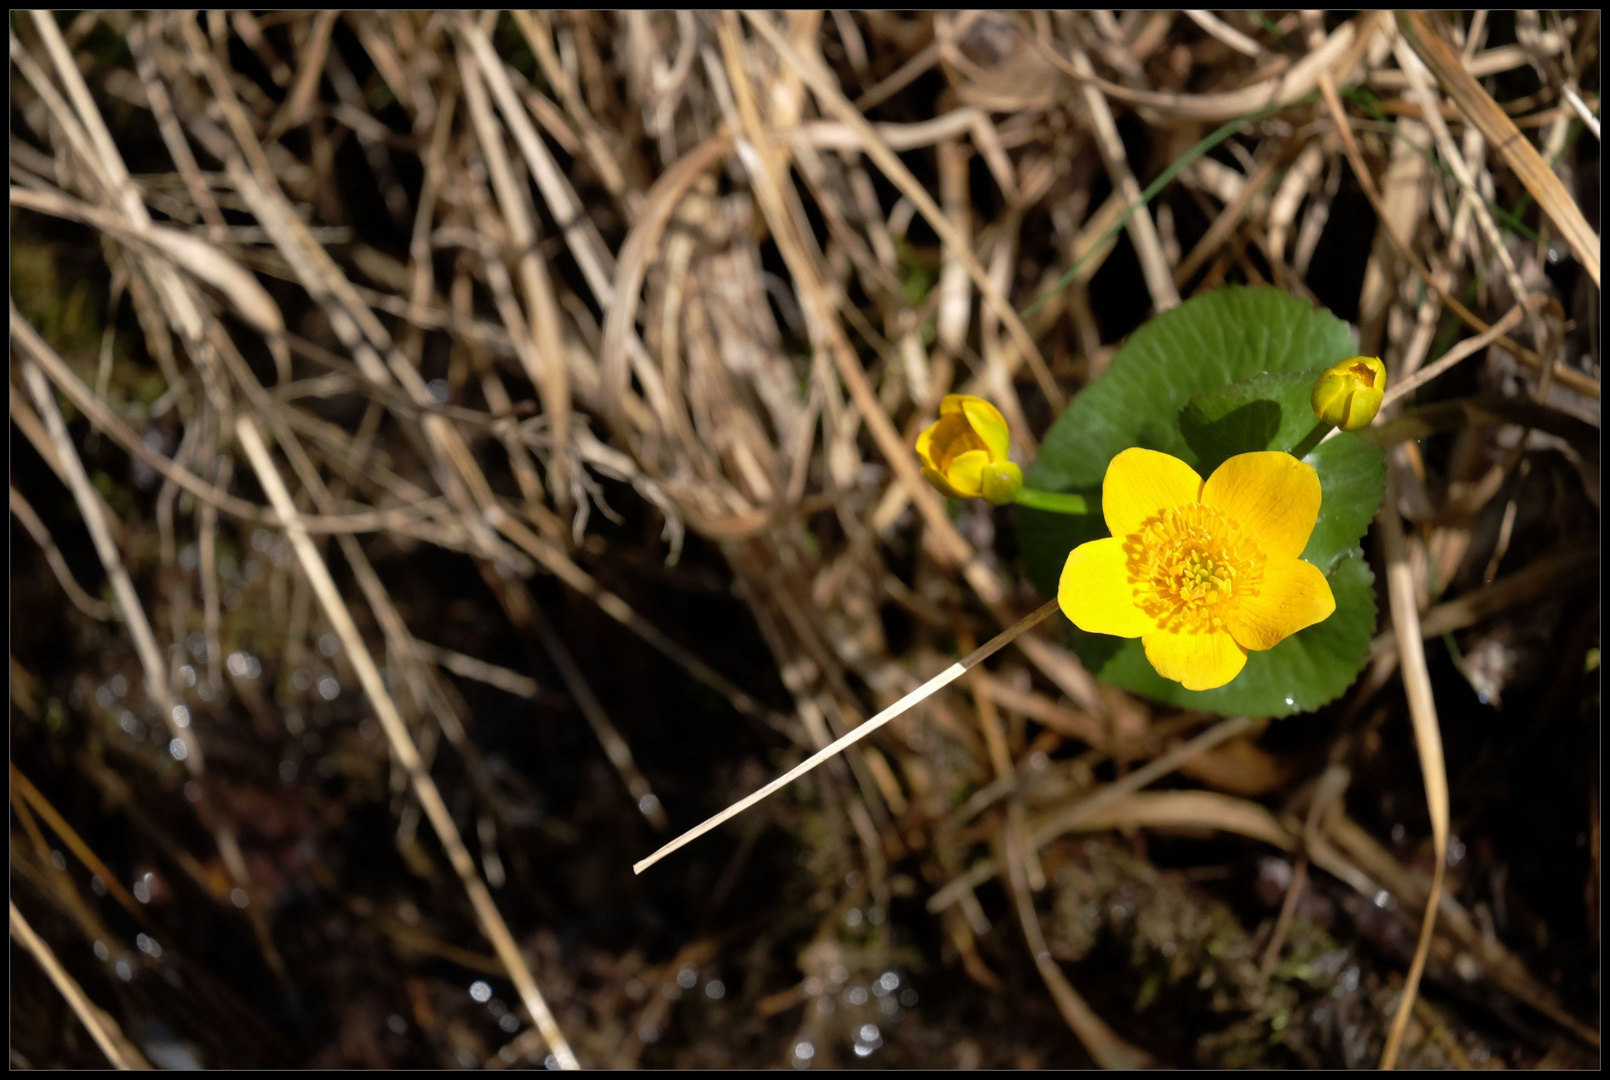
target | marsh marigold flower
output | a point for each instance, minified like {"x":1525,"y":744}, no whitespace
{"x":964,"y":452}
{"x":1201,"y":572}
{"x":1349,"y":395}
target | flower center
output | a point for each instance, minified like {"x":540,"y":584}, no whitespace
{"x":952,"y":439}
{"x":1189,"y":564}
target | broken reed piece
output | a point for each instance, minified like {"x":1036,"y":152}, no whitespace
{"x":926,"y":690}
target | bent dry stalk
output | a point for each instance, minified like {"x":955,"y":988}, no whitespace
{"x":926,"y":690}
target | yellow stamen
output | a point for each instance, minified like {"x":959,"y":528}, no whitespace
{"x":1188,"y":563}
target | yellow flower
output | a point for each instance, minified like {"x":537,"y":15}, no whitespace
{"x":1349,"y":395}
{"x":964,"y":452}
{"x":1201,"y":572}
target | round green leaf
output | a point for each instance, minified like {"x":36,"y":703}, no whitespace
{"x":1225,"y":373}
{"x":1204,"y":344}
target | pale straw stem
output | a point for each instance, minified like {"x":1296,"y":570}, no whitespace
{"x":926,"y":690}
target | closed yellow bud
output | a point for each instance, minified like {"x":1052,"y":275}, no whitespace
{"x":1349,"y":395}
{"x":964,"y":452}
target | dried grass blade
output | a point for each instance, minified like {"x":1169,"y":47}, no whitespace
{"x":402,"y":743}
{"x":1502,"y":133}
{"x":905,"y":704}
{"x":102,"y":1028}
{"x":1427,"y":736}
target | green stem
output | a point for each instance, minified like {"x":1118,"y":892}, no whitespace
{"x":1054,"y":501}
{"x":1311,"y":440}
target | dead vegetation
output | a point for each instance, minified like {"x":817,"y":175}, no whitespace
{"x":470,"y":444}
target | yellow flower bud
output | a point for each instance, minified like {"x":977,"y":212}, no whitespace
{"x":964,"y":452}
{"x":1349,"y":395}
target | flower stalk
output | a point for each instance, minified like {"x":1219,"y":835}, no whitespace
{"x":1057,"y":502}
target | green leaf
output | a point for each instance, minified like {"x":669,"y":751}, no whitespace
{"x":1265,"y":412}
{"x":1243,"y":360}
{"x":1352,"y":481}
{"x":1305,"y":671}
{"x":1273,"y":412}
{"x":1206,"y":343}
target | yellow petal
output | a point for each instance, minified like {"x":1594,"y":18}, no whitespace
{"x":1272,"y":495}
{"x":988,"y":424}
{"x":1095,"y":593}
{"x":945,"y":438}
{"x":1196,"y":661}
{"x":1143,"y":483}
{"x":1294,"y":594}
{"x":937,"y":479}
{"x":966,"y":472}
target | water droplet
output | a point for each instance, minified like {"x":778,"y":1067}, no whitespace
{"x":509,"y":1023}
{"x":1383,"y":899}
{"x":288,"y":771}
{"x":120,"y":685}
{"x":481,"y":991}
{"x":870,"y":1033}
{"x":804,"y":1050}
{"x":889,"y":981}
{"x":396,"y":1024}
{"x":124,"y":971}
{"x":181,"y":715}
{"x":178,"y":749}
{"x":715,"y":990}
{"x":238,"y":897}
{"x":852,"y":917}
{"x":648,"y":804}
{"x":1291,"y":702}
{"x":857,"y":995}
{"x":687,"y":978}
{"x":329,"y":688}
{"x":328,"y":644}
{"x":101,"y":951}
{"x":908,"y":997}
{"x":438,"y":390}
{"x":58,"y":860}
{"x":148,"y":945}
